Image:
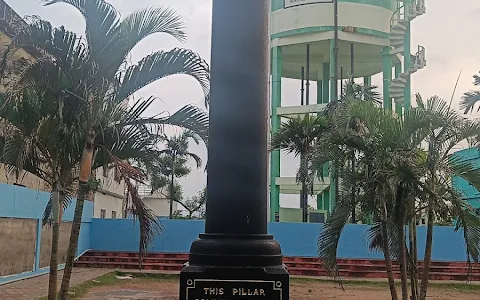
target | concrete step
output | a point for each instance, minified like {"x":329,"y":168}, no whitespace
{"x":306,"y":266}
{"x":401,"y":25}
{"x":398,"y":42}
{"x":397,"y":84}
{"x":398,"y":31}
{"x":395,"y":36}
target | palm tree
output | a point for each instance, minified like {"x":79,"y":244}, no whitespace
{"x":27,"y":145}
{"x":392,"y":172}
{"x":38,"y":141}
{"x":450,"y":130}
{"x":351,"y":91}
{"x":379,"y":139}
{"x":93,"y":77}
{"x":298,"y":136}
{"x":176,"y":150}
{"x":470,"y":99}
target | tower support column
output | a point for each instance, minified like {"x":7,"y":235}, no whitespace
{"x":367,"y":80}
{"x":408,"y":62}
{"x":319,"y":92}
{"x":277,"y":65}
{"x":398,"y":104}
{"x":326,"y":83}
{"x":333,"y":97}
{"x":387,"y":78}
{"x":333,"y":80}
{"x":320,"y":101}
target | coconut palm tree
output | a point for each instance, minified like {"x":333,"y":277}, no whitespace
{"x":298,"y":136}
{"x":176,"y":150}
{"x":93,"y":75}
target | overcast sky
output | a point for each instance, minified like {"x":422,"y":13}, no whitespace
{"x":449,"y":31}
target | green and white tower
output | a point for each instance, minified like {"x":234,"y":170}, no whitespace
{"x":322,"y":39}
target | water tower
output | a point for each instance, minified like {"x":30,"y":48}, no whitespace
{"x":324,"y":41}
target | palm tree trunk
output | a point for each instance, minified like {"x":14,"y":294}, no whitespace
{"x":172,"y":178}
{"x":412,"y":236}
{"x":52,"y":279}
{"x":304,"y":203}
{"x":428,"y":254}
{"x":403,"y":263}
{"x":354,"y":190}
{"x":85,"y":171}
{"x":415,"y":257}
{"x":72,"y":246}
{"x":337,"y":184}
{"x":387,"y":255}
{"x":429,"y":240}
{"x":303,"y":192}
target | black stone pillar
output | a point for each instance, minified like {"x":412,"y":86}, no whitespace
{"x":236,"y":258}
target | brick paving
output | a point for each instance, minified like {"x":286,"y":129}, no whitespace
{"x":36,"y":287}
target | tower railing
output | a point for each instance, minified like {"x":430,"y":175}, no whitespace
{"x":420,"y":7}
{"x":398,"y":15}
{"x":420,"y":58}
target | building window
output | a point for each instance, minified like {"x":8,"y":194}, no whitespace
{"x":114,"y":214}
{"x":103,"y":214}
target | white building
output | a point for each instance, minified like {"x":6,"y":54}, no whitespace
{"x":157,"y":201}
{"x":109,"y":200}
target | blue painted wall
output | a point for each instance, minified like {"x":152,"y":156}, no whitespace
{"x":296,"y":239}
{"x":25,"y":203}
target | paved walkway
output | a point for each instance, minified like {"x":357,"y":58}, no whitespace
{"x":129,"y":295}
{"x":36,"y":287}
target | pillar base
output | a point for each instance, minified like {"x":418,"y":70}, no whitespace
{"x":234,"y":266}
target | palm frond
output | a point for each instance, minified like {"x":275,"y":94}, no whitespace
{"x":189,"y":117}
{"x":468,"y":221}
{"x":196,"y":158}
{"x":375,"y":236}
{"x":47,"y":213}
{"x":162,"y":64}
{"x":298,"y":135}
{"x":330,"y":234}
{"x":142,"y":23}
{"x":102,"y":22}
{"x":470,"y":99}
{"x":149,"y":224}
{"x":465,"y":169}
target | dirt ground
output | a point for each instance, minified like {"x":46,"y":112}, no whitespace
{"x":299,"y":290}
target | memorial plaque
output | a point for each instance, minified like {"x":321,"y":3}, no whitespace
{"x":211,"y":289}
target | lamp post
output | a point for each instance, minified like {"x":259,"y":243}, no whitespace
{"x":236,"y":257}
